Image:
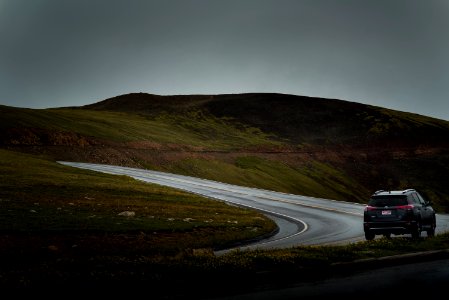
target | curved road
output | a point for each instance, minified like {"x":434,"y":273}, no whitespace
{"x":301,"y":220}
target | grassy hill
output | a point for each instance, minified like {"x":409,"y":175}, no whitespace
{"x":311,"y":146}
{"x":296,"y":119}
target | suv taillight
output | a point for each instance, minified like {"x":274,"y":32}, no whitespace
{"x":368,"y":208}
{"x":406,"y":207}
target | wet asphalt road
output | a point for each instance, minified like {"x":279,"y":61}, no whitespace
{"x":301,"y":220}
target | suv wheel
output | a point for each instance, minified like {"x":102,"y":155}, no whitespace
{"x":369,"y":236}
{"x":387,"y":235}
{"x":431,"y":231}
{"x":416,"y":233}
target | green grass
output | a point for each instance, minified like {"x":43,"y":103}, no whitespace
{"x":302,"y":256}
{"x":312,"y":178}
{"x":384,"y":122}
{"x":43,"y":197}
{"x":191,"y":129}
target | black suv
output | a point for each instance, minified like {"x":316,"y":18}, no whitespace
{"x":398,"y":212}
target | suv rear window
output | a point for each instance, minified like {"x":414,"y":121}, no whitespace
{"x":389,"y":200}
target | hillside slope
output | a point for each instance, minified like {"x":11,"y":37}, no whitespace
{"x":318,"y":147}
{"x":296,"y":118}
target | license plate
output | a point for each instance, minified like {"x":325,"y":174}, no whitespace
{"x":386,"y":212}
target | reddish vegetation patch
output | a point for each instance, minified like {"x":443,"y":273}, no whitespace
{"x":150,"y":145}
{"x":37,"y":136}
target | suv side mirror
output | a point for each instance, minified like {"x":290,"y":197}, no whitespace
{"x":428,"y":203}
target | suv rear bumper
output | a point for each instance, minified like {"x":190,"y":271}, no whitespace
{"x":402,"y":227}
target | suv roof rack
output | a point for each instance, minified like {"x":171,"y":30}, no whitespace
{"x":379,"y":191}
{"x":408,"y":190}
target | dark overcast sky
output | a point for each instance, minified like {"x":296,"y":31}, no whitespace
{"x":391,"y":53}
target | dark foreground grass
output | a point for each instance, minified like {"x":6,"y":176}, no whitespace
{"x":196,"y":274}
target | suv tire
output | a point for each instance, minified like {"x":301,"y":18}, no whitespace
{"x":416,"y":233}
{"x":369,"y":236}
{"x":431,"y":231}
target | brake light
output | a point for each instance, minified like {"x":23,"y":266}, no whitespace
{"x":405,"y":207}
{"x":368,"y":208}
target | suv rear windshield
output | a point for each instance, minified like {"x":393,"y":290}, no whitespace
{"x":389,"y":200}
